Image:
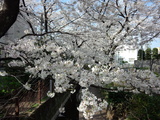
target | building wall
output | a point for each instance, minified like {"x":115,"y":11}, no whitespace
{"x":158,"y":50}
{"x":127,"y":54}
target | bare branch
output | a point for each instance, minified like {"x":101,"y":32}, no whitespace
{"x":151,"y":38}
{"x":9,"y":58}
{"x":104,"y":10}
{"x":51,"y":32}
{"x":29,"y":23}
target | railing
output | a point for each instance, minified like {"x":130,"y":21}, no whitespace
{"x":22,"y":102}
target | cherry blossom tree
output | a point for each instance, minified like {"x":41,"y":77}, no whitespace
{"x":74,"y":43}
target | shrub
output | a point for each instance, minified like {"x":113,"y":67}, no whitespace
{"x":136,"y":106}
{"x":148,"y":54}
{"x":155,"y":53}
{"x":144,"y":107}
{"x":141,"y":54}
{"x":8,"y":85}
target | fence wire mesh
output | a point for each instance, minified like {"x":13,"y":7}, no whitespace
{"x":22,"y":103}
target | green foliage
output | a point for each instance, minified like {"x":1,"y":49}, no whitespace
{"x":35,"y":105}
{"x":155,"y":53}
{"x":148,"y":54}
{"x":118,"y":97}
{"x":119,"y":102}
{"x":124,"y":62}
{"x":7,"y":84}
{"x":142,"y":68}
{"x":141,"y":54}
{"x":144,"y":107}
{"x":157,"y":74}
{"x":136,"y":106}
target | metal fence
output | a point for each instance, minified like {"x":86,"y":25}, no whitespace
{"x":22,"y":103}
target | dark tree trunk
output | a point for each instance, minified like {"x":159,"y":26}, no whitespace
{"x":72,"y":112}
{"x":8,"y":15}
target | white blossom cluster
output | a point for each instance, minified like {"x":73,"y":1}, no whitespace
{"x":50,"y":94}
{"x":139,"y":80}
{"x":43,"y":60}
{"x":68,"y":68}
{"x":90,"y":104}
{"x":84,"y":54}
{"x":15,"y":63}
{"x":61,"y":83}
{"x":27,"y":86}
{"x":61,"y":110}
{"x":50,"y":59}
{"x":3,"y":73}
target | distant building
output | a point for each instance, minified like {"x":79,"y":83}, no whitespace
{"x":127,"y":54}
{"x":158,"y":50}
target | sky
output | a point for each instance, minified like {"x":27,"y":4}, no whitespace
{"x":155,"y":43}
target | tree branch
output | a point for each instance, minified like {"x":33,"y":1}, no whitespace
{"x":51,"y":32}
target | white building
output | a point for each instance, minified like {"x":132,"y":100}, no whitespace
{"x":158,"y":50}
{"x":127,"y":54}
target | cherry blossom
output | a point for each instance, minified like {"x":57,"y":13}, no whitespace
{"x":3,"y":73}
{"x":74,"y":43}
{"x":27,"y":86}
{"x":50,"y":94}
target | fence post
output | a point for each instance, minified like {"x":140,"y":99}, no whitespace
{"x":17,"y":108}
{"x":51,"y":86}
{"x":39,"y":91}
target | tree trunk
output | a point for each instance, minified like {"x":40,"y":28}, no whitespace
{"x":8,"y":15}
